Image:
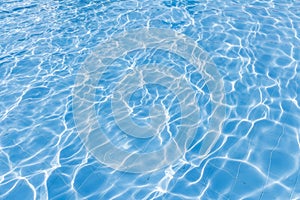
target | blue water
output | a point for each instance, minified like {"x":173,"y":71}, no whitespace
{"x":209,"y":90}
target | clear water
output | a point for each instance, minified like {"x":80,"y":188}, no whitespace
{"x":196,"y":99}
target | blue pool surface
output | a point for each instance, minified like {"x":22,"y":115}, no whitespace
{"x":149,"y":99}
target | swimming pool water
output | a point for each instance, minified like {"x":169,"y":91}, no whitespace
{"x":149,"y":99}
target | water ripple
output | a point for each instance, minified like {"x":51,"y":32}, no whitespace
{"x":254,"y":46}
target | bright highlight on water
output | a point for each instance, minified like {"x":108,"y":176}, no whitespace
{"x":88,"y":78}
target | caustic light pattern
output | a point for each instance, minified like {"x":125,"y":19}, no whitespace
{"x":141,"y":48}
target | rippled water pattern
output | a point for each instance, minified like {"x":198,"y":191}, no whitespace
{"x":212,"y":86}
